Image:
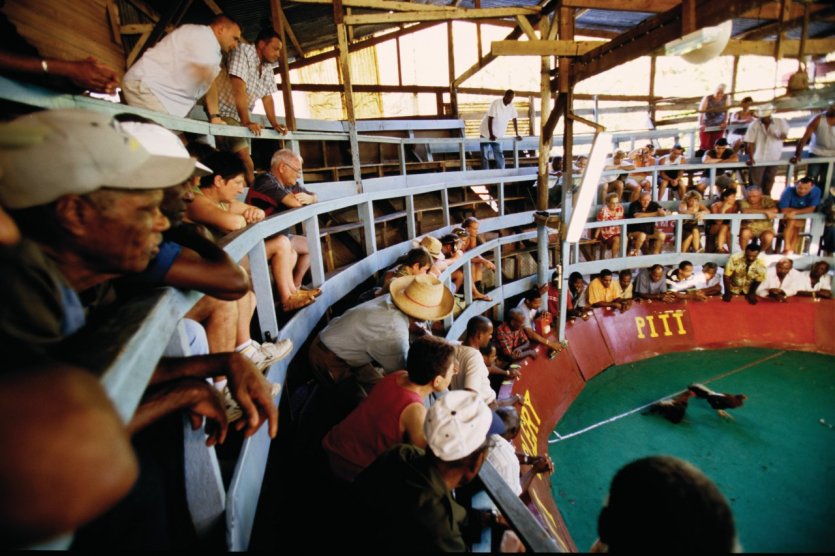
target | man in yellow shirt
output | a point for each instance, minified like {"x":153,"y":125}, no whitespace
{"x":603,"y":291}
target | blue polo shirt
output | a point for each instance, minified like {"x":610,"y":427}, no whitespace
{"x":790,"y":199}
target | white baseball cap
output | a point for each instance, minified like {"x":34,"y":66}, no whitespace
{"x":159,"y":141}
{"x":49,"y":154}
{"x":458,"y":424}
{"x":765,"y":110}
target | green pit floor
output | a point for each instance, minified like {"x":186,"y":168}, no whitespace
{"x":775,"y":462}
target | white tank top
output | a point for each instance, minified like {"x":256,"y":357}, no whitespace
{"x":823,"y":139}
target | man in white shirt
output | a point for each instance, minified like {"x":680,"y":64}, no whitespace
{"x":494,"y":126}
{"x":172,"y":75}
{"x":781,"y":281}
{"x":472,"y":373}
{"x":821,"y":131}
{"x":699,"y":285}
{"x":764,"y":143}
{"x":816,"y":281}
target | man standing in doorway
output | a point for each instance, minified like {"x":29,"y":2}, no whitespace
{"x":494,"y":126}
{"x":247,"y":75}
{"x":764,"y":143}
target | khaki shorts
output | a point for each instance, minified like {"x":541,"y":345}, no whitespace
{"x":233,"y":144}
{"x":138,"y":94}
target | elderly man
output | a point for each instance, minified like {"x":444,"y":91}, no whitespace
{"x":173,"y":74}
{"x":277,"y":191}
{"x":406,"y":494}
{"x":248,"y":75}
{"x":650,"y":284}
{"x":713,"y":112}
{"x":377,"y":331}
{"x":764,"y":143}
{"x":80,"y":234}
{"x":803,"y":198}
{"x":744,"y":273}
{"x":821,"y":130}
{"x":816,"y":281}
{"x":781,"y":281}
{"x":645,"y":207}
{"x":494,"y":127}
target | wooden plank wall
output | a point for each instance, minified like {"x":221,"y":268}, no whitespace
{"x":67,"y":29}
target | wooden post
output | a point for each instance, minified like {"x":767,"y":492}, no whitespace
{"x":478,"y":32}
{"x":348,"y":93}
{"x":734,"y":73}
{"x":564,"y":85}
{"x":453,"y":92}
{"x":399,"y":63}
{"x":652,"y":62}
{"x":286,"y":93}
{"x":544,"y":141}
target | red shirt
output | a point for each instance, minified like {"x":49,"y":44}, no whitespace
{"x":371,"y":429}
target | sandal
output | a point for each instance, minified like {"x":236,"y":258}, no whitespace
{"x":296,"y":301}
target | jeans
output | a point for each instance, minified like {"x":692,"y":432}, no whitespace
{"x":498,"y":156}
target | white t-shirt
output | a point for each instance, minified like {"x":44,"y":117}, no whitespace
{"x":697,"y":281}
{"x":768,"y":146}
{"x":502,"y":456}
{"x":472,"y":373}
{"x":530,"y":314}
{"x":805,"y":285}
{"x":791,"y":284}
{"x":823,"y":139}
{"x":180,"y":68}
{"x":501,"y":115}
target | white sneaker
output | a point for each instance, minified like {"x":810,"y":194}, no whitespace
{"x":233,"y":410}
{"x":264,"y":355}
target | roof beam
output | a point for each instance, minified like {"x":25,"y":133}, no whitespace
{"x":788,"y":48}
{"x":769,"y":29}
{"x":655,"y":32}
{"x":387,"y":5}
{"x":361,"y":44}
{"x":454,"y":13}
{"x":648,"y":6}
{"x":543,"y":48}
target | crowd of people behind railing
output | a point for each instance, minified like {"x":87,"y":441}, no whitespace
{"x":103,"y":208}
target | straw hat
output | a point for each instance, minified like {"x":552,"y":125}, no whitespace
{"x":433,"y":246}
{"x":765,"y":110}
{"x":422,"y":297}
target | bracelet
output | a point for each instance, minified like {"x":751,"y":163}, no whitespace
{"x":45,"y":66}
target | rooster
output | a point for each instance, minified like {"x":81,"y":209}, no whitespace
{"x":672,"y":409}
{"x":718,"y":401}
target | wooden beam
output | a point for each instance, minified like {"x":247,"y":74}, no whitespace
{"x":483,"y":61}
{"x":174,"y":12}
{"x":277,"y":16}
{"x":212,"y":5}
{"x":652,"y":64}
{"x":655,"y":32}
{"x":387,"y":5}
{"x":288,"y":30}
{"x":688,"y":16}
{"x":146,"y":9}
{"x":785,"y":6}
{"x":135,"y":28}
{"x":450,"y":46}
{"x":598,"y":33}
{"x":347,"y":90}
{"x":648,"y":6}
{"x":454,"y":13}
{"x":525,"y":25}
{"x":359,"y":45}
{"x":768,"y":29}
{"x":772,"y":10}
{"x":543,"y":48}
{"x":788,"y":48}
{"x":113,"y":19}
{"x":137,"y":48}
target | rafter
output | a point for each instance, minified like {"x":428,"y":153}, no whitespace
{"x":387,"y":5}
{"x":788,"y":48}
{"x":454,"y":13}
{"x":543,"y":48}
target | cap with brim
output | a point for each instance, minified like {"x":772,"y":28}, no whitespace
{"x":765,"y":111}
{"x":724,"y":181}
{"x":49,"y":154}
{"x":422,"y":297}
{"x":162,"y":143}
{"x":458,"y":424}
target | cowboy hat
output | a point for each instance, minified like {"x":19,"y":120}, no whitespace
{"x":422,"y":297}
{"x":432,"y":246}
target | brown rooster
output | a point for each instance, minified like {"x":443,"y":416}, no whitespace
{"x":718,"y":401}
{"x":672,"y":409}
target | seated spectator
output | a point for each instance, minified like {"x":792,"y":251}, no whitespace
{"x":625,"y":284}
{"x":803,"y":198}
{"x":604,"y":291}
{"x":645,"y":207}
{"x":615,"y":182}
{"x":744,"y":273}
{"x":407,"y":493}
{"x":490,"y":357}
{"x":651,"y":284}
{"x":662,"y":504}
{"x":682,"y":273}
{"x":641,"y":158}
{"x":394,"y":411}
{"x":473,"y":374}
{"x":530,"y":304}
{"x":479,"y":263}
{"x":699,"y":285}
{"x":450,"y":252}
{"x":669,"y":177}
{"x":216,"y":206}
{"x":691,"y":235}
{"x":816,"y":281}
{"x":415,"y":262}
{"x":278,"y":190}
{"x":720,"y":153}
{"x":763,"y":230}
{"x":739,"y":121}
{"x":507,"y":461}
{"x":781,"y":281}
{"x":511,"y":341}
{"x":377,"y":331}
{"x":577,"y":299}
{"x":827,"y":207}
{"x":720,"y":230}
{"x":610,"y":235}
